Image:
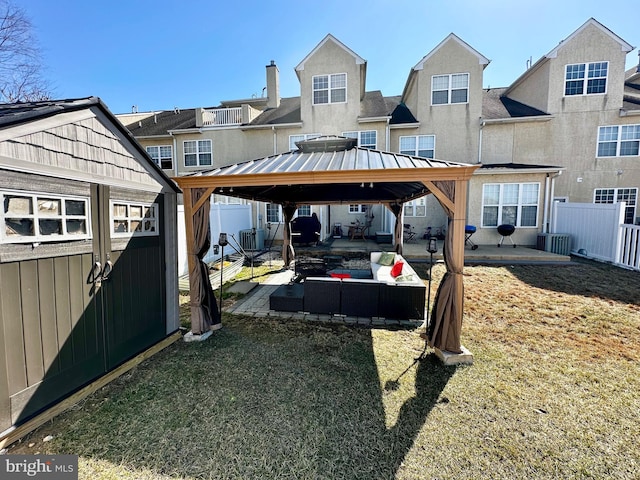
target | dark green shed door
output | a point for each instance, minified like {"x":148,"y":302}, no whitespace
{"x":72,"y":311}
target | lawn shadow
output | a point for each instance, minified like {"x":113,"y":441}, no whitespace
{"x":585,"y":278}
{"x":258,"y":401}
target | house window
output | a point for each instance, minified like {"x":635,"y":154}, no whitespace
{"x":299,"y":138}
{"x":35,"y":217}
{"x":452,"y":88}
{"x":198,"y":153}
{"x":510,"y":203}
{"x":130,"y":219}
{"x":418,"y":145}
{"x":304,"y":211}
{"x":358,"y":208}
{"x":330,"y":88}
{"x":595,"y":75}
{"x":274,"y":213}
{"x":416,"y":208}
{"x":366,"y":138}
{"x":619,"y":141}
{"x":162,"y":155}
{"x":616,"y":195}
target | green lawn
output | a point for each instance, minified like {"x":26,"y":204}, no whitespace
{"x":554,"y":393}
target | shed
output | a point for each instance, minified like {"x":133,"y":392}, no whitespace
{"x":88,"y":249}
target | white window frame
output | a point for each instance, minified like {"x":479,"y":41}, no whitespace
{"x":503,"y":203}
{"x":329,"y":87}
{"x":450,"y":88}
{"x":303,"y":211}
{"x":416,"y":208}
{"x":36,"y":216}
{"x":279,"y":214}
{"x":199,"y":152}
{"x":362,"y":135}
{"x":358,"y":209}
{"x":301,"y":138}
{"x":623,"y":136}
{"x":617,"y":195}
{"x":585,"y":77}
{"x":417,"y":140}
{"x":156,"y":154}
{"x":147,"y":219}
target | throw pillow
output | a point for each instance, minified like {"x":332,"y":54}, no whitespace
{"x":340,"y":275}
{"x":396,"y":271}
{"x":404,"y":278}
{"x":386,"y":259}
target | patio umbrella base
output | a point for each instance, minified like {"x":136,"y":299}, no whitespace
{"x":450,"y":358}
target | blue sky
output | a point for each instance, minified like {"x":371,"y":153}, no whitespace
{"x":159,"y":54}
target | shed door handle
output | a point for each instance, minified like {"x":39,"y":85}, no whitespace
{"x":96,"y":273}
{"x":106,"y":272}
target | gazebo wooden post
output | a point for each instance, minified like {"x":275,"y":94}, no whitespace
{"x":458,"y":225}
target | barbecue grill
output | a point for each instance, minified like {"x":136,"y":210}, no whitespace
{"x":469,"y":230}
{"x":506,"y":231}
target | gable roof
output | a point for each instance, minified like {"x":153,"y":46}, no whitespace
{"x":624,"y":46}
{"x":330,"y":38}
{"x":14,"y":114}
{"x":482,"y":60}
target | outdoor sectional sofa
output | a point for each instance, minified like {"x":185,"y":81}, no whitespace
{"x":400,"y":297}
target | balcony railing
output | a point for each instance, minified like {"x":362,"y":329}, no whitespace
{"x":222,"y":116}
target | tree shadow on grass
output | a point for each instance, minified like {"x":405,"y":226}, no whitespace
{"x":259,"y":400}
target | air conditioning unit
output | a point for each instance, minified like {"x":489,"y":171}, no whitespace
{"x":559,"y":243}
{"x":252,"y":239}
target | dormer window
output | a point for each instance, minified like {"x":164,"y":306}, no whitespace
{"x":586,"y":78}
{"x":446,"y":89}
{"x":330,"y":88}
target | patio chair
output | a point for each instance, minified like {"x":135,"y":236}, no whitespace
{"x":409,"y":233}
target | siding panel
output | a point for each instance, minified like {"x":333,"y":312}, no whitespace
{"x":12,"y":315}
{"x":31,"y":321}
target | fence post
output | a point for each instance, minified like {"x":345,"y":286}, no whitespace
{"x":618,"y":234}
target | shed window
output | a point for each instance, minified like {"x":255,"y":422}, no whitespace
{"x":133,"y":219}
{"x":32,"y":217}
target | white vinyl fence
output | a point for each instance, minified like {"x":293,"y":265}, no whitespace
{"x":597,"y":231}
{"x":230,"y":219}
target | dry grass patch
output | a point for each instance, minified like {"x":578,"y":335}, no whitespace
{"x":553,"y":393}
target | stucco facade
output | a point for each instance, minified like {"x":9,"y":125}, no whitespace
{"x":533,"y":129}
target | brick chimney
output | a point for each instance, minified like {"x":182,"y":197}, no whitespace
{"x":273,"y":85}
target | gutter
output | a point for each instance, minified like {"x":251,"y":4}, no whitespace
{"x":537,"y":118}
{"x":398,"y":126}
{"x":271,"y":125}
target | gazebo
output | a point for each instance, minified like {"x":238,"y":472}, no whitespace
{"x":325,"y":171}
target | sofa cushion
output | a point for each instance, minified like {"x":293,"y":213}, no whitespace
{"x":396,"y":270}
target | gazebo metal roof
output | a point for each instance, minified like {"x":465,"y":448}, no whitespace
{"x":311,"y":175}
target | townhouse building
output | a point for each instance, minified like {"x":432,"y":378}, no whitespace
{"x":568,"y":129}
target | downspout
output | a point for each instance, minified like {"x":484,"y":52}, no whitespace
{"x":482,"y":123}
{"x":550,"y":185}
{"x":387,"y":135}
{"x":175,"y":154}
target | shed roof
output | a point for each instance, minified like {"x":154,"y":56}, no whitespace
{"x":13,"y":114}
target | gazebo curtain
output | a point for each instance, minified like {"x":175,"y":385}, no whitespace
{"x":204,"y":308}
{"x":445,"y":320}
{"x":288,"y":253}
{"x":397,"y":209}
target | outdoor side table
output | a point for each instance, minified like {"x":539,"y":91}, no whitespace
{"x":287,"y":298}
